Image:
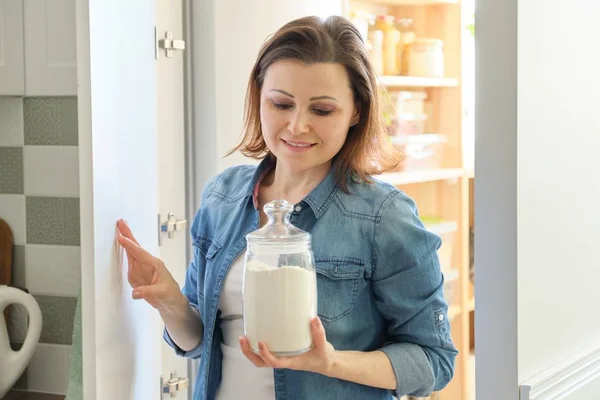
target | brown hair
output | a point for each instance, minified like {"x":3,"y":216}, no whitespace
{"x":334,"y":40}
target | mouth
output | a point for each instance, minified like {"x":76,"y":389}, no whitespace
{"x":297,"y":146}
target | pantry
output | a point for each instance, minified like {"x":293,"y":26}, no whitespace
{"x":423,"y":53}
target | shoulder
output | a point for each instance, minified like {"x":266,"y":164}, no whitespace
{"x":377,"y":199}
{"x":232,"y":183}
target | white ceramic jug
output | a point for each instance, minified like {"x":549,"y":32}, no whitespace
{"x":13,"y":363}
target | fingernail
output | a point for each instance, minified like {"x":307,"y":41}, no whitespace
{"x":137,"y":294}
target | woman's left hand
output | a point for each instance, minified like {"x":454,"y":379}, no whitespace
{"x":319,"y":359}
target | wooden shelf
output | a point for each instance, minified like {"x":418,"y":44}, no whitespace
{"x":408,"y":177}
{"x":391,"y":81}
{"x":410,"y":2}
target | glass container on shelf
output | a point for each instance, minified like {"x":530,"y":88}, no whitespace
{"x":407,"y":34}
{"x":392,"y":58}
{"x":375,"y":47}
{"x":280,"y":284}
{"x":426,"y":58}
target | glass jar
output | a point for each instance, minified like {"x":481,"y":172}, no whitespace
{"x":392,"y":59}
{"x":280,"y":284}
{"x":407,"y":34}
{"x":426,"y":58}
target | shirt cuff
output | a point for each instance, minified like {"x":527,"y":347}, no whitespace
{"x":196,"y":352}
{"x":414,"y":375}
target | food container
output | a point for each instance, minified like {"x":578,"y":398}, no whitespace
{"x":446,"y":230}
{"x":451,"y":286}
{"x":280,"y":284}
{"x":426,"y":58}
{"x":408,"y":102}
{"x":392,"y":46}
{"x":408,"y":124}
{"x":375,"y":47}
{"x":421,"y":152}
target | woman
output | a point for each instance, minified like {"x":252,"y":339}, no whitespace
{"x":313,"y":118}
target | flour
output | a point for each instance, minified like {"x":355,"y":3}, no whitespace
{"x":279,"y":304}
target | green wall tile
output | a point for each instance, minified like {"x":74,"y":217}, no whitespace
{"x":19,"y":278}
{"x":50,"y":121}
{"x":11,"y":170}
{"x":58,"y":314}
{"x":52,"y":220}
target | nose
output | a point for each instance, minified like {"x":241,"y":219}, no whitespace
{"x":299,"y":123}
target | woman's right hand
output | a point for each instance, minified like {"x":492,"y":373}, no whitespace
{"x":147,"y":274}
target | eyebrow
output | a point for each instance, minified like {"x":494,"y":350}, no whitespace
{"x":311,"y":99}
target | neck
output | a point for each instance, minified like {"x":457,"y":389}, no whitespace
{"x":293,"y":185}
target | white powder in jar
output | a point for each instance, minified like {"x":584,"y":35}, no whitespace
{"x":279,"y":304}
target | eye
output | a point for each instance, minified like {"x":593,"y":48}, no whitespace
{"x":282,"y":106}
{"x":321,"y":112}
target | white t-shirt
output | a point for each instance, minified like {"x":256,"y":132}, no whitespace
{"x":240,"y":378}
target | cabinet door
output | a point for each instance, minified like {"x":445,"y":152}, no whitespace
{"x":50,"y":48}
{"x":12,"y":72}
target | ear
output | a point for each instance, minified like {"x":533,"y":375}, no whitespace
{"x":356,"y":115}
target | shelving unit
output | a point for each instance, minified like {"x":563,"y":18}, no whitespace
{"x":410,"y":177}
{"x":416,"y":82}
{"x":445,"y":192}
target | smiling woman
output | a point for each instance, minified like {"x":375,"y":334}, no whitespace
{"x":313,"y":117}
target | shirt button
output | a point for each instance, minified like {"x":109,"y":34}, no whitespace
{"x":441,"y":317}
{"x":298,"y":208}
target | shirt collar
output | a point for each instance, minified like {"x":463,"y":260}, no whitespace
{"x":318,"y":199}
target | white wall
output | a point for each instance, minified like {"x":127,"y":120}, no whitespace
{"x":558,"y":191}
{"x":537,"y":196}
{"x":118,"y":178}
{"x":226,"y":39}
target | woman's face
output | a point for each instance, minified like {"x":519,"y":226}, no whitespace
{"x":305,"y":112}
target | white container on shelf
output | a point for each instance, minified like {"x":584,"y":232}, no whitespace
{"x":375,"y":46}
{"x":451,"y":286}
{"x":446,"y":230}
{"x":421,"y":152}
{"x":426,"y":58}
{"x":408,"y":102}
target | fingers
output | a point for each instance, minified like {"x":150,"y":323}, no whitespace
{"x":255,"y":359}
{"x":135,"y":250}
{"x":318,"y":333}
{"x":126,"y":231}
{"x":150,"y":291}
{"x":271,"y":360}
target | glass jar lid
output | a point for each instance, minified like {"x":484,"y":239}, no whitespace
{"x":278,"y":229}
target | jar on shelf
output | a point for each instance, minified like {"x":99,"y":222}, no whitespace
{"x":392,"y":58}
{"x":375,"y":47}
{"x":407,"y":36}
{"x":280,"y":284}
{"x":361,"y":20}
{"x":426,"y":58}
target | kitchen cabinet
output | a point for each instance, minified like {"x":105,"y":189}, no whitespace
{"x":12,"y":68}
{"x":50,"y":48}
{"x":39,"y":52}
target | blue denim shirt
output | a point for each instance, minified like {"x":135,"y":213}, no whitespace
{"x":378,"y":280}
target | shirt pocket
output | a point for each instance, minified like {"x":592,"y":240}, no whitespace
{"x":207,"y":246}
{"x":338,"y":281}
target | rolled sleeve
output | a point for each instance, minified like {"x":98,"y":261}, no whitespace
{"x":408,"y":289}
{"x":196,"y":352}
{"x":412,"y":369}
